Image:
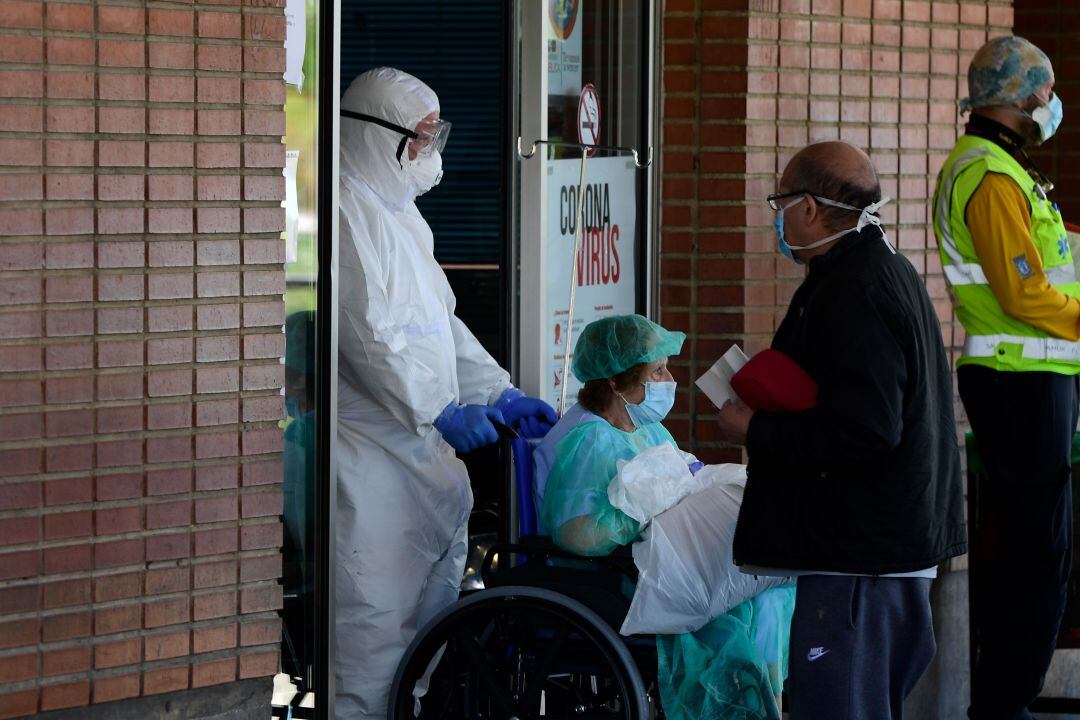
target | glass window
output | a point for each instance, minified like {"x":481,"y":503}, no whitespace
{"x":597,"y":43}
{"x":584,"y":71}
{"x":301,"y":461}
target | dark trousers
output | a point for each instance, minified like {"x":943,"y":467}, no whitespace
{"x":858,"y":646}
{"x":1024,"y":425}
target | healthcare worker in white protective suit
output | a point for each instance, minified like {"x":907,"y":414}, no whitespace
{"x":414,"y":386}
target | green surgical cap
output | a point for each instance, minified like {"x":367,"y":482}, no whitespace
{"x":1004,"y":71}
{"x":611,"y":345}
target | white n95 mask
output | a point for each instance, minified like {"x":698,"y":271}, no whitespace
{"x":425,"y":171}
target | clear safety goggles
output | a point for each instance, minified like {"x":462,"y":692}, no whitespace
{"x":428,"y":137}
{"x":431,"y":136}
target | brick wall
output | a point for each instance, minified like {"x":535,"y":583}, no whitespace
{"x":747,"y":83}
{"x":1054,"y":25}
{"x":141,"y":285}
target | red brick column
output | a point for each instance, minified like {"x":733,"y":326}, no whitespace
{"x":703,"y":263}
{"x":141,"y":315}
{"x":747,"y":83}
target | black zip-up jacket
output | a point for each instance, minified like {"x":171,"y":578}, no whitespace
{"x":868,"y":481}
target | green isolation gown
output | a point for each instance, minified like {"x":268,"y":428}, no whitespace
{"x":730,"y":669}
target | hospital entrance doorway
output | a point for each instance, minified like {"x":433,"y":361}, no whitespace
{"x":525,"y":86}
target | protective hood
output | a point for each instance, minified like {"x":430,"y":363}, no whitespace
{"x":368,"y":151}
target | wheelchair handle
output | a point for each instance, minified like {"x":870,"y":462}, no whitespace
{"x":505,"y":431}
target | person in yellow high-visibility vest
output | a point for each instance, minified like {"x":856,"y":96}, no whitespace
{"x":1007,"y":261}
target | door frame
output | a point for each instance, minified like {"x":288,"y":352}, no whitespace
{"x":329,"y":52}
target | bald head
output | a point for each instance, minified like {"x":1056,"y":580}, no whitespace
{"x":835,"y":170}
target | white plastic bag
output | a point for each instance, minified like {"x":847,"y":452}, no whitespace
{"x":686,"y":576}
{"x":655,"y":480}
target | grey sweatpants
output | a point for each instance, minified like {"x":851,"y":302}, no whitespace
{"x":858,"y":646}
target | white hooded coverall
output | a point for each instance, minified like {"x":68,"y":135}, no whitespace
{"x":403,"y":498}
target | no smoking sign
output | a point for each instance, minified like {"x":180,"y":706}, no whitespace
{"x":588,"y":116}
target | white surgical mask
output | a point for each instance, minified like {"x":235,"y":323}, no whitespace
{"x":425,"y":171}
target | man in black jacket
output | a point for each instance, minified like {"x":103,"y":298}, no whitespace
{"x":859,"y":497}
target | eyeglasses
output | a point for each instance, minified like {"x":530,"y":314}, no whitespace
{"x":774,"y":203}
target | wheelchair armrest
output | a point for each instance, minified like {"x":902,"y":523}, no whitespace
{"x":539,"y":546}
{"x":542,"y":543}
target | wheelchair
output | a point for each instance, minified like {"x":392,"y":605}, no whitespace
{"x":541,"y":638}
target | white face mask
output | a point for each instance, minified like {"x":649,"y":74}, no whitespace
{"x":425,"y":171}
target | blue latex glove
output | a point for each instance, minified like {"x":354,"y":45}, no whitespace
{"x":695,"y":467}
{"x":532,"y":427}
{"x":468,"y":427}
{"x":530,"y":416}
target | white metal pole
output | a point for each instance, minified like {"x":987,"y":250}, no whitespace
{"x":578,"y":232}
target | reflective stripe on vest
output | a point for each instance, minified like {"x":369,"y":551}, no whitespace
{"x":944,"y":200}
{"x":1034,"y":348}
{"x":973,"y":274}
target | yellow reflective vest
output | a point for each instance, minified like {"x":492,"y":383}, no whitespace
{"x":995,"y":339}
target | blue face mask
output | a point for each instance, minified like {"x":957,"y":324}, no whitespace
{"x":781,"y":242}
{"x":1048,"y":117}
{"x":659,"y":399}
{"x":868,"y":216}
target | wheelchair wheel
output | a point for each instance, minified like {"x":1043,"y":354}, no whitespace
{"x":518,"y":652}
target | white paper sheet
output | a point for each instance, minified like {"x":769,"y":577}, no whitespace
{"x":295,"y":41}
{"x":292,"y":211}
{"x":716,"y":382}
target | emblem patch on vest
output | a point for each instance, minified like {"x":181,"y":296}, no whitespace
{"x":1022,"y":266}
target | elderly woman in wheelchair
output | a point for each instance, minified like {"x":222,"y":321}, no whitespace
{"x":734,"y":666}
{"x":540,"y":640}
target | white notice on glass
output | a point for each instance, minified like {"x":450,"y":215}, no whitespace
{"x":292,"y":210}
{"x":295,"y":41}
{"x":716,"y":382}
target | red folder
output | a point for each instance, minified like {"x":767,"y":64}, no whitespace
{"x":773,"y":382}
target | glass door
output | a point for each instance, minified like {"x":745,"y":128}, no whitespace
{"x":585,"y":77}
{"x":301,"y":342}
{"x":459,"y":51}
{"x":310,"y":350}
